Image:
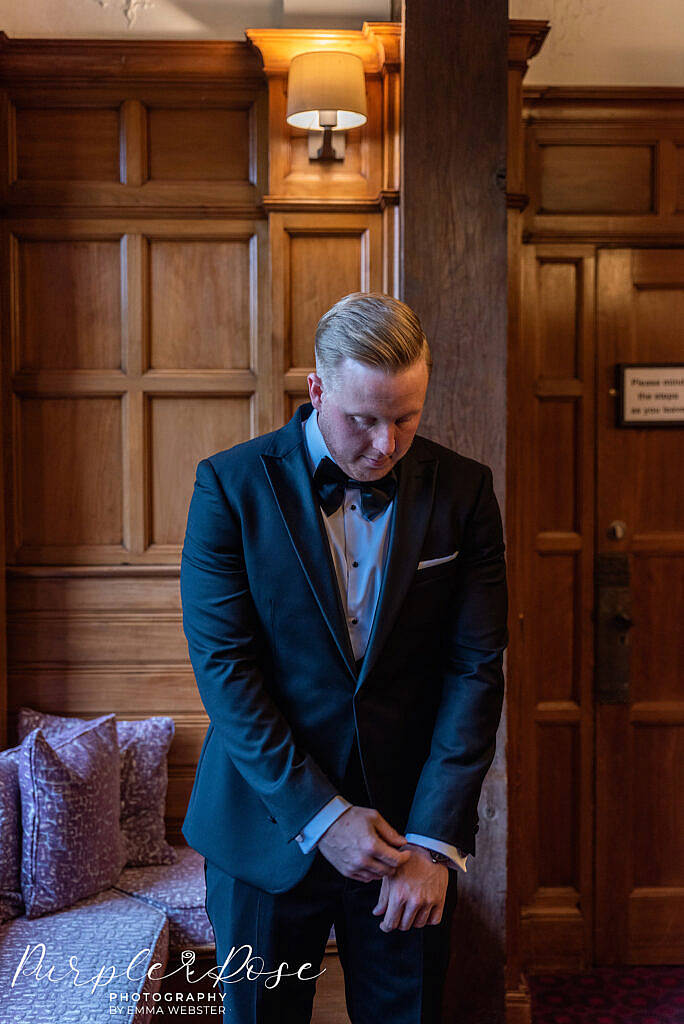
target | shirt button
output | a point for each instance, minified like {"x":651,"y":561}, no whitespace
{"x":353,"y":508}
{"x":355,"y":565}
{"x":354,"y":622}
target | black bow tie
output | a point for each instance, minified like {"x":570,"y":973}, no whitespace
{"x":330,"y":482}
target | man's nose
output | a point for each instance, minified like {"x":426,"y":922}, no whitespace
{"x":384,"y":439}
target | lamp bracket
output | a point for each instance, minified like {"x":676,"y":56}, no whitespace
{"x":327,"y":144}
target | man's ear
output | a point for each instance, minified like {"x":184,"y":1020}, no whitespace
{"x":315,"y":390}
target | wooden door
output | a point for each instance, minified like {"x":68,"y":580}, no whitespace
{"x":639,"y":911}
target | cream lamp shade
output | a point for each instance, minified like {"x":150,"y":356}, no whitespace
{"x":326,"y":89}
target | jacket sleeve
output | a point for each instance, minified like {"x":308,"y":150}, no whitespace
{"x":464,"y":736}
{"x":225,"y":643}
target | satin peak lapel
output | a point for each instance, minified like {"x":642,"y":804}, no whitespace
{"x":290,"y":481}
{"x":413,"y":506}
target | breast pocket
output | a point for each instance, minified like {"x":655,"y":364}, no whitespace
{"x":430,"y":570}
{"x":430,"y":563}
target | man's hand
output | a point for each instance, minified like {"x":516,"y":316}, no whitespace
{"x":415,"y":895}
{"x":362,"y":845}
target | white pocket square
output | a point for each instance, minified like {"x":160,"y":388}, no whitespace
{"x":437,"y":561}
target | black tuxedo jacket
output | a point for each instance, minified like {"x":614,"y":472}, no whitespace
{"x":276,"y":673}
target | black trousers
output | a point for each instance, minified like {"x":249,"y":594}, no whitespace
{"x":279,"y":941}
{"x":396,"y":976}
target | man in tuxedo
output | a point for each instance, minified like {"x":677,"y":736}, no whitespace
{"x":344,"y":600}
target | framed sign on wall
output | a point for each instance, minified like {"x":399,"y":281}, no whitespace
{"x":650,"y":394}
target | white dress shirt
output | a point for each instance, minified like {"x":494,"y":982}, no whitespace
{"x":359,"y":552}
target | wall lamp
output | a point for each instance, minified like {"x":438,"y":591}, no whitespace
{"x":326,"y":95}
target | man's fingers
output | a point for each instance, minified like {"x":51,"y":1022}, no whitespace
{"x":422,"y":917}
{"x":388,"y":855}
{"x":413,"y":898}
{"x":390,"y":862}
{"x":375,"y":870}
{"x":389,"y":834}
{"x":363,"y":846}
{"x":435,"y":915}
{"x":381,"y":906}
{"x":393,"y":913}
{"x":363,"y":876}
{"x":380,"y":869}
{"x":389,"y":923}
{"x":409,"y":916}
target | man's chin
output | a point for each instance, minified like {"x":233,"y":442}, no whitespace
{"x":369,"y":471}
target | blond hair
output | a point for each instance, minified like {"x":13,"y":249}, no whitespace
{"x":370,"y":328}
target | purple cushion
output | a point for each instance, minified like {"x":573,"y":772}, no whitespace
{"x":70,"y":816}
{"x":11,"y":900}
{"x":144,"y":747}
{"x":181,"y":892}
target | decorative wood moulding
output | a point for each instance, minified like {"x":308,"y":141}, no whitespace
{"x":376,"y":44}
{"x":387,"y":37}
{"x":516,"y":200}
{"x":167,"y":213}
{"x":274,"y":204}
{"x":630,"y":93}
{"x":525,"y":39}
{"x":17,"y":572}
{"x":68,"y":60}
{"x":553,"y":930}
{"x":518,"y":1005}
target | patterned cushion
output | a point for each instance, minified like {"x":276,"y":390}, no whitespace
{"x":103,"y":931}
{"x":144,"y":747}
{"x":11,"y":900}
{"x":70,"y":816}
{"x":180,"y":891}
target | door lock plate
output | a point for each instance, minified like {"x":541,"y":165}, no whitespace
{"x":613,"y":623}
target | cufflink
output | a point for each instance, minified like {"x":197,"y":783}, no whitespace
{"x":299,"y":838}
{"x":437,"y":858}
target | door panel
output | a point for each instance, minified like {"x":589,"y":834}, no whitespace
{"x":640,"y":740}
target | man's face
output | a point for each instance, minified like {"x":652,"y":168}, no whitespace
{"x":369,"y":417}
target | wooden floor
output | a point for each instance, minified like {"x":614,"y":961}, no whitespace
{"x":329,"y":1005}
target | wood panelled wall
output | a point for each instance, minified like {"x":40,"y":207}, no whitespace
{"x":143,"y":329}
{"x":603,"y":169}
{"x":333,"y":227}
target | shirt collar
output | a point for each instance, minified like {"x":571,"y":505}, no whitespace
{"x":316,"y":448}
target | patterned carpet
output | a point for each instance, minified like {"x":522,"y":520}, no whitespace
{"x":609,"y":995}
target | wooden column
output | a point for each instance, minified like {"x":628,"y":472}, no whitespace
{"x":454,"y":276}
{"x":525,"y":39}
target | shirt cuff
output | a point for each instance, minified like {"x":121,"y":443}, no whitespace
{"x":320,"y":823}
{"x":456,"y":858}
